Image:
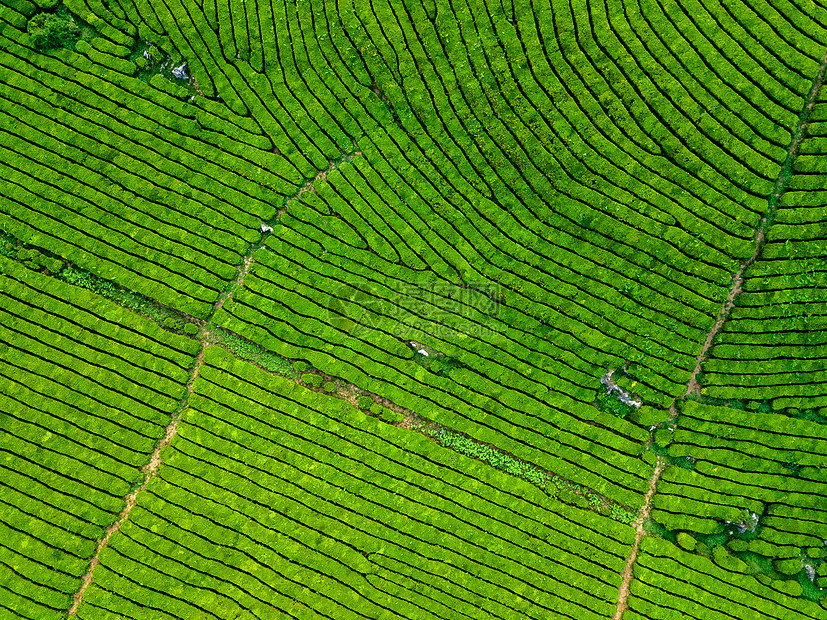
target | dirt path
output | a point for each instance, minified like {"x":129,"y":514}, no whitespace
{"x":150,"y":470}
{"x":243,"y":270}
{"x":247,"y":261}
{"x":640,"y":532}
{"x":737,"y":286}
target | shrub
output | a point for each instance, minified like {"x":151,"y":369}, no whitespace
{"x":329,"y":386}
{"x":618,"y":513}
{"x":738,"y":545}
{"x":376,"y":409}
{"x":663,"y":437}
{"x":52,"y":30}
{"x":173,"y":323}
{"x":8,"y":244}
{"x":77,"y":277}
{"x":365,"y":402}
{"x":252,"y":352}
{"x":190,"y":329}
{"x":392,"y":417}
{"x":54,"y":265}
{"x":609,"y":403}
{"x":788,"y":567}
{"x":723,"y":559}
{"x":312,"y":380}
{"x":301,"y":366}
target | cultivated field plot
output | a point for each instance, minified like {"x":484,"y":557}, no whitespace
{"x":87,"y":390}
{"x":277,"y":501}
{"x":413,"y":309}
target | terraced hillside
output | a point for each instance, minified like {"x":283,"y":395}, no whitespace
{"x":437,"y":309}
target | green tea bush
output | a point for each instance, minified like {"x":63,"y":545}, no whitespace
{"x":392,"y":417}
{"x":686,"y":541}
{"x":173,"y":323}
{"x":312,"y":380}
{"x":788,"y":567}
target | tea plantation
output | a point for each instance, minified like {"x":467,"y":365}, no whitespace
{"x":420,"y":309}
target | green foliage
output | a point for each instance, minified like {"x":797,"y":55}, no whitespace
{"x":246,"y":350}
{"x":663,"y":437}
{"x":686,"y":541}
{"x":727,"y":561}
{"x":391,"y":417}
{"x":496,"y":458}
{"x":136,"y":302}
{"x":53,"y":30}
{"x":565,"y":491}
{"x":738,"y":545}
{"x":789,"y":566}
{"x":329,"y":386}
{"x":190,"y":329}
{"x":792,"y":466}
{"x":110,"y":290}
{"x":811,"y":415}
{"x":619,"y":513}
{"x":312,"y":380}
{"x":173,"y":323}
{"x":8,"y":245}
{"x":648,"y":416}
{"x":376,"y":409}
{"x":301,"y":366}
{"x":365,"y":402}
{"x":657,"y":529}
{"x":609,"y":403}
{"x":36,"y":260}
{"x":764,"y":406}
{"x":682,"y":461}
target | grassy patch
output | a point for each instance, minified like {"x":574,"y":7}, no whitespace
{"x":268,"y":360}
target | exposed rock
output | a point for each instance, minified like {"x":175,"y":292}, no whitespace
{"x":181,"y":72}
{"x":747,"y":525}
{"x":622,"y":395}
